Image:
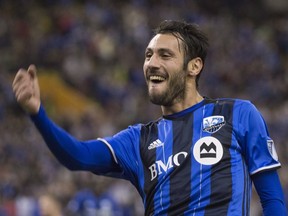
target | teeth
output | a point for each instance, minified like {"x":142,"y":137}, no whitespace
{"x":157,"y":78}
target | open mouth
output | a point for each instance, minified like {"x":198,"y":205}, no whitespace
{"x":156,"y":79}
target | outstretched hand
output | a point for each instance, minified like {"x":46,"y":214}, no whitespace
{"x":26,"y":89}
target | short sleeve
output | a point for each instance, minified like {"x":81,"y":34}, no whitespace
{"x":256,"y":145}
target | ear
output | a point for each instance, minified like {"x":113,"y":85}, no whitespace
{"x":195,"y":66}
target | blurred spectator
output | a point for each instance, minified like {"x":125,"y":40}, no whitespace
{"x":84,"y":203}
{"x":49,"y":205}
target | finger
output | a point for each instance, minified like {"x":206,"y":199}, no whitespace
{"x":20,"y":89}
{"x":23,"y":94}
{"x":19,"y":76}
{"x":22,"y":85}
{"x":21,"y":81}
{"x":32,"y":71}
{"x":24,"y":97}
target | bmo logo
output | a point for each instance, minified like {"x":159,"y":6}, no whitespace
{"x":160,"y":167}
{"x":208,"y":151}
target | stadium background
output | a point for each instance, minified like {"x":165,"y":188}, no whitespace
{"x":90,"y":56}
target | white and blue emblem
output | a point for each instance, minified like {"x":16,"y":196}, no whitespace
{"x":212,"y":124}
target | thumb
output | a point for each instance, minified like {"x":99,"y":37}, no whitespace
{"x":32,"y":71}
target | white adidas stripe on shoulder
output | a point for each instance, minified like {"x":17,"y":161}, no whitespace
{"x":110,"y":147}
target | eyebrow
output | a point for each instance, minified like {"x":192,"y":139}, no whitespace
{"x":160,"y":50}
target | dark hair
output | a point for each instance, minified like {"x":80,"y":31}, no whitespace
{"x":194,"y":40}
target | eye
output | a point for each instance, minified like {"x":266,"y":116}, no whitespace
{"x":148,"y":55}
{"x":165,"y":55}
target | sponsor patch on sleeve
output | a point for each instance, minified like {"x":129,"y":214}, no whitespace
{"x":272,"y":150}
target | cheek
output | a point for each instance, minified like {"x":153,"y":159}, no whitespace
{"x":144,"y":69}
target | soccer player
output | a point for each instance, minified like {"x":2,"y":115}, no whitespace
{"x":199,"y":158}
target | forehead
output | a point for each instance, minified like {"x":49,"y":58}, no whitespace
{"x":165,"y":41}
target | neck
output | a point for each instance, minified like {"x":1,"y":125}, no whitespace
{"x":187,"y":102}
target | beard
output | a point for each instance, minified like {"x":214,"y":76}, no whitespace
{"x":174,"y":91}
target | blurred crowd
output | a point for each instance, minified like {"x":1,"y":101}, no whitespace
{"x":97,"y":49}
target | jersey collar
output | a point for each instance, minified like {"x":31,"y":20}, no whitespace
{"x":184,"y":112}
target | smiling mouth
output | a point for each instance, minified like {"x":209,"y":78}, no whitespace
{"x":156,"y":79}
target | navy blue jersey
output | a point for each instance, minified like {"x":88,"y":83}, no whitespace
{"x":198,"y":161}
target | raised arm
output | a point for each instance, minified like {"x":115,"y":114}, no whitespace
{"x":92,"y":155}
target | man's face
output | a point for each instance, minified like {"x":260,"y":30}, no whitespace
{"x":164,"y":70}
